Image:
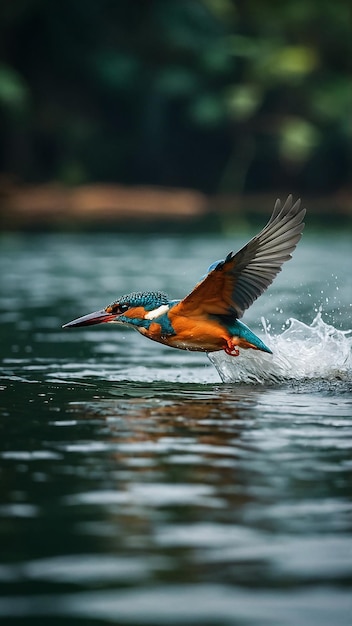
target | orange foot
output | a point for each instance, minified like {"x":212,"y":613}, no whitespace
{"x":231,"y":349}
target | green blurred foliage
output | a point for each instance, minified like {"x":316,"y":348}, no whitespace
{"x":236,"y":95}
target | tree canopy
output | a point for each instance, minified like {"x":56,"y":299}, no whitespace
{"x":235,"y":95}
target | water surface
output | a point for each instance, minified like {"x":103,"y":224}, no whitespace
{"x":139,"y":488}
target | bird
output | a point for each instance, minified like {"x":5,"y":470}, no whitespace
{"x":208,"y":318}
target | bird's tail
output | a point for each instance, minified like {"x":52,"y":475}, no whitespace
{"x":247,"y":338}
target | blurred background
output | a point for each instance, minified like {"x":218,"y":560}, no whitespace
{"x":172,"y":108}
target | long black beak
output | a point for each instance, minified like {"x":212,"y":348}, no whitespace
{"x":98,"y":317}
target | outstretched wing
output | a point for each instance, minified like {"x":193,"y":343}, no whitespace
{"x":233,"y":285}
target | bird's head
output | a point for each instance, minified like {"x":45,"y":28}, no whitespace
{"x":136,"y":306}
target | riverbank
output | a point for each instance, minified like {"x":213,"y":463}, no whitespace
{"x":103,"y":206}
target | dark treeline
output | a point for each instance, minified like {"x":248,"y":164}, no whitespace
{"x":216,"y":95}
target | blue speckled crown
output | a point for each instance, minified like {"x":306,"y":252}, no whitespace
{"x":148,"y":299}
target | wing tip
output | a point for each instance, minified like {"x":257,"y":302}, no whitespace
{"x":289,"y":207}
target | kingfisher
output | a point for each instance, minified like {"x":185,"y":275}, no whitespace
{"x":208,"y":318}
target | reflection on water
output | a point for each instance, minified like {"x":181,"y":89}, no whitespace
{"x":136,"y":488}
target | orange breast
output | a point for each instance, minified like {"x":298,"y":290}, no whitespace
{"x":197,"y":333}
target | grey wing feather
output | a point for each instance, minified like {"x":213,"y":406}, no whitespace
{"x":260,"y":260}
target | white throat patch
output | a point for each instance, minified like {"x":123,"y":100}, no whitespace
{"x":151,"y":315}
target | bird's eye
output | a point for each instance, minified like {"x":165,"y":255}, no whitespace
{"x":116,"y":308}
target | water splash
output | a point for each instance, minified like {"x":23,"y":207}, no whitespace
{"x":318,"y":351}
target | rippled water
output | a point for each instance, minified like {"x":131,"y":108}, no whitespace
{"x":136,"y":486}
